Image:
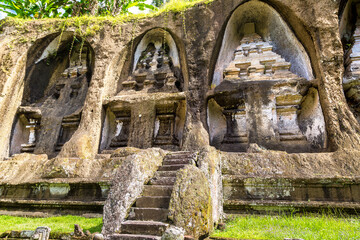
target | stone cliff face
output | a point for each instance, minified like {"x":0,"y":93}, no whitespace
{"x":240,"y":76}
{"x":174,"y":64}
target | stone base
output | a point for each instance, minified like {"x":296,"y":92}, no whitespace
{"x":57,"y":198}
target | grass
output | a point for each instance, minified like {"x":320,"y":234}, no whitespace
{"x":310,"y":227}
{"x":64,"y":224}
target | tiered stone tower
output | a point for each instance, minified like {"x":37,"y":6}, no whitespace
{"x":260,"y":97}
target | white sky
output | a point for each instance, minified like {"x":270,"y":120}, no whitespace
{"x":136,"y":10}
{"x":2,"y":15}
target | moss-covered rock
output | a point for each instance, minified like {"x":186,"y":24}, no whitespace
{"x":190,"y":205}
{"x":128,"y":184}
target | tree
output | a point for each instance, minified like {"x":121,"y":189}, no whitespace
{"x":34,"y":8}
{"x":159,"y":3}
{"x":69,"y":8}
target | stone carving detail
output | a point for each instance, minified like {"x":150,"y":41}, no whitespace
{"x":255,"y":60}
{"x":260,"y":97}
{"x":123,"y":120}
{"x":59,"y":108}
{"x":235,"y":125}
{"x":32,"y":124}
{"x":68,"y":127}
{"x":41,"y":233}
{"x":351,"y":81}
{"x":164,"y":133}
{"x":153,"y":72}
{"x":286,"y":110}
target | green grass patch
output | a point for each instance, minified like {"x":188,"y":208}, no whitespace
{"x":63,"y":224}
{"x":279,"y":227}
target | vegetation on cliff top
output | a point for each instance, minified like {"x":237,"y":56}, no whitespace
{"x":86,"y":25}
{"x":63,"y":10}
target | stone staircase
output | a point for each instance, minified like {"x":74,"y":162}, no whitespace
{"x":148,"y":216}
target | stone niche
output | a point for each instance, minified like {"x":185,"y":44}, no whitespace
{"x":149,"y":108}
{"x":55,"y":89}
{"x":261,"y":91}
{"x":156,"y":65}
{"x":116,"y":128}
{"x":149,"y":121}
{"x":350,"y":37}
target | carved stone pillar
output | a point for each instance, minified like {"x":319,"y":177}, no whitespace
{"x":164,"y":132}
{"x":236,"y":131}
{"x":33,"y":125}
{"x":286,"y":109}
{"x":69,"y":125}
{"x":351,"y":81}
{"x":123,"y":120}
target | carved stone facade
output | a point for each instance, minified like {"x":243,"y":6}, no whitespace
{"x":248,"y":91}
{"x":153,"y":71}
{"x":59,"y":108}
{"x":260,"y":98}
{"x":351,"y":81}
{"x":149,"y":108}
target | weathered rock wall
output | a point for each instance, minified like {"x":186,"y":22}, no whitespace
{"x":127,"y":186}
{"x":198,"y":33}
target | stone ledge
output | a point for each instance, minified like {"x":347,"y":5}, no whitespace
{"x":265,"y":206}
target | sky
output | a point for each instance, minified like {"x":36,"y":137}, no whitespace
{"x":2,"y":15}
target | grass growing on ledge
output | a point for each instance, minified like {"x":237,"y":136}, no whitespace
{"x":314,"y":227}
{"x":64,"y":224}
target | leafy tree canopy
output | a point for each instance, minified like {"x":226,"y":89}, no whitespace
{"x":69,"y":8}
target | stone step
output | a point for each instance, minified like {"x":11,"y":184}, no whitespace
{"x":157,"y":190}
{"x":171,"y":167}
{"x":149,"y":214}
{"x":119,"y":159}
{"x":143,"y":227}
{"x":162,"y":181}
{"x":178,"y":161}
{"x":179,"y":156}
{"x":165,"y":174}
{"x":102,"y":156}
{"x":153,"y":202}
{"x":180,"y":153}
{"x":133,"y":237}
{"x":108,"y":151}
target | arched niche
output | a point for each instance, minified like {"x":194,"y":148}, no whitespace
{"x":158,"y":65}
{"x":58,"y":73}
{"x":149,"y":107}
{"x":348,"y":15}
{"x":261,"y":91}
{"x":349,"y":29}
{"x":272,"y":28}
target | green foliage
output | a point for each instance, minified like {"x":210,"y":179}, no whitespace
{"x":86,"y":25}
{"x":34,"y":8}
{"x":159,"y":3}
{"x":64,"y":224}
{"x":116,"y":7}
{"x":314,"y":227}
{"x":37,"y":9}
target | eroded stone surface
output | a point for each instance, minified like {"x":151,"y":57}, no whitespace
{"x":260,"y":98}
{"x":173,"y":233}
{"x":128,"y":184}
{"x":190,"y":205}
